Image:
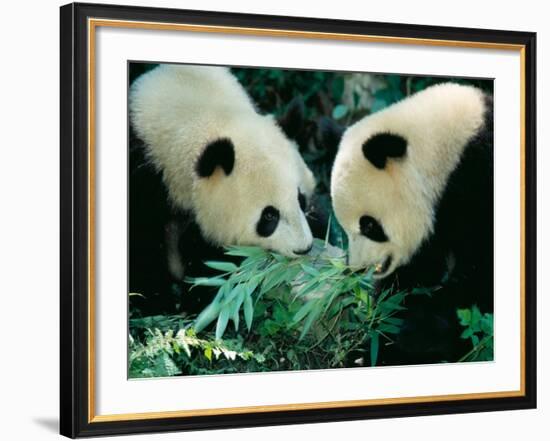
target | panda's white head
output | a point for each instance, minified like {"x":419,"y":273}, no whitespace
{"x":392,"y":167}
{"x":234,"y":169}
{"x":251,"y":188}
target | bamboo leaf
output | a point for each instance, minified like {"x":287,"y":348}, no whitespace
{"x":393,"y":320}
{"x":465,"y":316}
{"x":248,"y":311}
{"x":390,"y":329}
{"x":223,"y":318}
{"x":245,"y":251}
{"x":236,"y":306}
{"x":309,"y":321}
{"x":340,"y":111}
{"x":206,"y":281}
{"x":487,"y":324}
{"x":388,"y":307}
{"x":232,"y":295}
{"x":304,"y":310}
{"x":207,"y":316}
{"x":310,"y":270}
{"x":374,"y":348}
{"x":422,"y":291}
{"x":307,"y":288}
{"x":228,"y":267}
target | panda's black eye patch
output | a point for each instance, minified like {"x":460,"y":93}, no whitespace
{"x":371,"y":229}
{"x":302,"y":201}
{"x":268,"y":222}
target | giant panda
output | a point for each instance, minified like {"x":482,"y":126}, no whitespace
{"x":412,"y":186}
{"x":230,"y":175}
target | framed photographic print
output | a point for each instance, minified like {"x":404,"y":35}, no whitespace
{"x":272,"y":220}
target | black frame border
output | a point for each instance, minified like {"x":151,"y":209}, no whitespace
{"x":74,"y":219}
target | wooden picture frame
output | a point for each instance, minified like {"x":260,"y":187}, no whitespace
{"x":79,"y":23}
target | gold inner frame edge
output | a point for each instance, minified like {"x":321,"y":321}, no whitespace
{"x":262,"y":32}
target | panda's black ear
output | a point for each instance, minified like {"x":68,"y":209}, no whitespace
{"x":219,"y":153}
{"x":382,"y":146}
{"x":329,"y":133}
{"x":293,"y":120}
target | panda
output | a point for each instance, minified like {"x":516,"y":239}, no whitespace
{"x":412,"y":186}
{"x":231,"y":176}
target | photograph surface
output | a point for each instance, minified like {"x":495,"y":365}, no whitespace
{"x":292,"y":220}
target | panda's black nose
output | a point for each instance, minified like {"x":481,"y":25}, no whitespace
{"x":304,"y":251}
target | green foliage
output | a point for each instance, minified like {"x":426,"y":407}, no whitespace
{"x":166,"y":353}
{"x":479,"y":329}
{"x":305,"y":313}
{"x":286,"y":314}
{"x":340,"y":111}
{"x":321,"y":284}
{"x":273,"y":89}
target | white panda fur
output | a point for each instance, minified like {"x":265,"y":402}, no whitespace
{"x":417,"y":179}
{"x":177,"y":111}
{"x":438,"y":124}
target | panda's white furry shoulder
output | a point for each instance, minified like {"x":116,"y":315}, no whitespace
{"x":179,"y":111}
{"x":172,"y":112}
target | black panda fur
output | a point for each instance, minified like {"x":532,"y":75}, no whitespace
{"x":457,"y":260}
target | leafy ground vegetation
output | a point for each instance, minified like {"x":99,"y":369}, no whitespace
{"x":268,"y":312}
{"x":274,"y":313}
